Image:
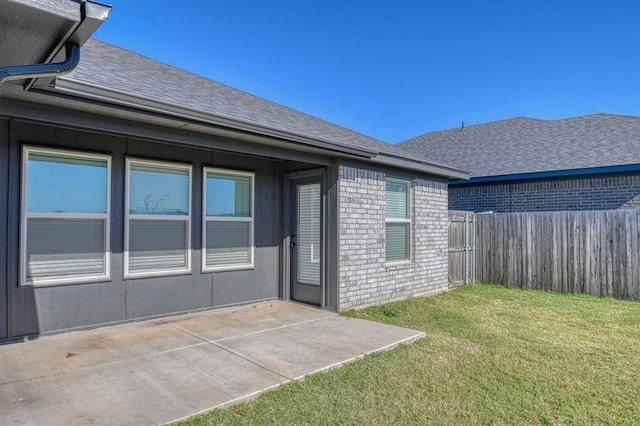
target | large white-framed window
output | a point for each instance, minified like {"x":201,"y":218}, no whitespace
{"x":157,"y":233}
{"x":64,"y":229}
{"x":228,"y":210}
{"x":398,"y":220}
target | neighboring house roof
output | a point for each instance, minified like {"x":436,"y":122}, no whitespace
{"x":127,"y":75}
{"x":522,"y":145}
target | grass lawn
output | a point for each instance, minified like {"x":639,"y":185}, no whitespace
{"x":491,"y":356}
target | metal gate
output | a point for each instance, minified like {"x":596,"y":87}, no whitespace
{"x":462,"y":248}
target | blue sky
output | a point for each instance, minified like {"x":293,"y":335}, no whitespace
{"x":397,"y":69}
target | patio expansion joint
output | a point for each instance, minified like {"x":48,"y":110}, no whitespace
{"x":218,"y":344}
{"x":267,"y":330}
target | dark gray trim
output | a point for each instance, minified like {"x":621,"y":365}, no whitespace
{"x":331,"y":252}
{"x":396,"y":171}
{"x":195,"y":127}
{"x":195,"y":118}
{"x":305,"y":173}
{"x":87,"y":121}
{"x":626,"y":168}
{"x":4,"y":194}
{"x":420,"y":166}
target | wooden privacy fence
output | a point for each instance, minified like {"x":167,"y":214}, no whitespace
{"x":592,"y":252}
{"x":461,"y":248}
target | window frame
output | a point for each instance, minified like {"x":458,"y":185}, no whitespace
{"x":407,"y":221}
{"x":25,"y":215}
{"x":127,"y":274}
{"x":205,"y":219}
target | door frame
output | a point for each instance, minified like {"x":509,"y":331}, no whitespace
{"x":287,"y":209}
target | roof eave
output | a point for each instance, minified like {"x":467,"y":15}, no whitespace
{"x":75,"y":88}
{"x":194,"y":119}
{"x":421,"y":166}
{"x":624,"y":168}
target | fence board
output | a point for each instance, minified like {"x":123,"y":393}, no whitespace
{"x":591,"y":252}
{"x":461,"y":248}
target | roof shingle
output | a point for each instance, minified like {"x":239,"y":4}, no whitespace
{"x":110,"y":67}
{"x":528,"y":145}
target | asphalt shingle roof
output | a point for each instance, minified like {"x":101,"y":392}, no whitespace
{"x":110,"y":67}
{"x":528,"y":145}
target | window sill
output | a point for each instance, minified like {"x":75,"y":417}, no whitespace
{"x":398,"y":263}
{"x":67,"y":281}
{"x":156,"y":274}
{"x":229,"y":268}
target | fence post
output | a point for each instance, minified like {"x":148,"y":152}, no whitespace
{"x":473,"y":248}
{"x":466,"y":249}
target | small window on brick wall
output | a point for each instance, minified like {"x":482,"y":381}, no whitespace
{"x":398,"y":220}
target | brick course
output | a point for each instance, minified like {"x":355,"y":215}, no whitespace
{"x":583,"y":193}
{"x":364,"y":277}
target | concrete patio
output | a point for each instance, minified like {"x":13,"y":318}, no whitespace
{"x":163,"y":370}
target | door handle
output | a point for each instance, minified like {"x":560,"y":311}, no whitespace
{"x":292,"y":244}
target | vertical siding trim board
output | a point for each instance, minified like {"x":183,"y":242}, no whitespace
{"x":364,"y":276}
{"x":4,"y":228}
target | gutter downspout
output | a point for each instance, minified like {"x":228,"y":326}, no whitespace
{"x":20,"y":72}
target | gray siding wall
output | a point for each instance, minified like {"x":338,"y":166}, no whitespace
{"x":43,"y":309}
{"x":364,"y":279}
{"x":4,"y":194}
{"x":585,"y":193}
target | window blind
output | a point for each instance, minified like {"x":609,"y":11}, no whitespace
{"x":158,"y":190}
{"x":308,"y":259}
{"x":157,"y":245}
{"x":66,"y":196}
{"x":228,"y":243}
{"x":396,"y":198}
{"x":396,"y":239}
{"x":63,"y":247}
{"x":158,"y":217}
{"x":228,"y":219}
{"x":398,"y":220}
